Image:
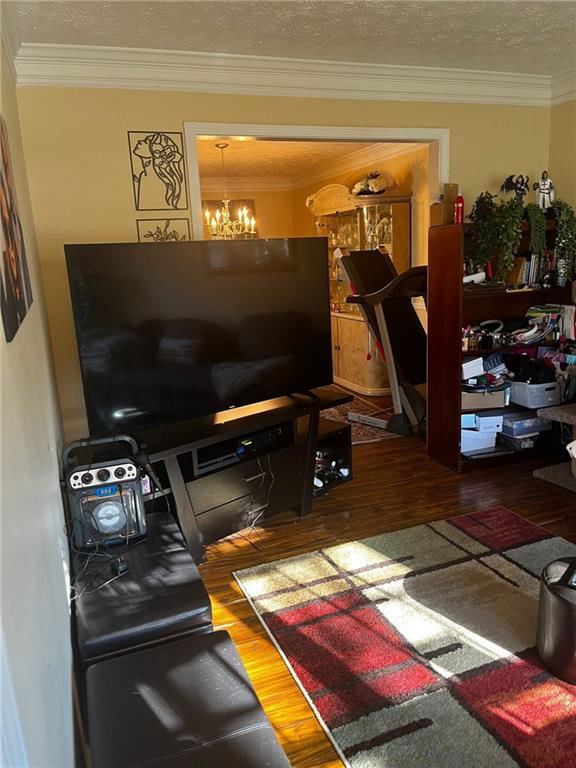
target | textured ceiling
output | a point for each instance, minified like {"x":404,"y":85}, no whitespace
{"x":288,"y":159}
{"x":506,"y":36}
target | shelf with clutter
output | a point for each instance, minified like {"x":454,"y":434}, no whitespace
{"x":504,"y":348}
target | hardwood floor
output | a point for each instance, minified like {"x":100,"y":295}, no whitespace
{"x":395,"y":485}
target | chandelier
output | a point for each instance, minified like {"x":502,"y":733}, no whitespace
{"x":220,"y":224}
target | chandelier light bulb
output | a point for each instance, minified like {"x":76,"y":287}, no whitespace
{"x":221,"y":225}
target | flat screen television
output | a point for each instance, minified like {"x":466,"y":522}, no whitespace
{"x":173,"y":331}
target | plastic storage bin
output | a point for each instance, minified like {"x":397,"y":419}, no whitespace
{"x":519,"y":443}
{"x":523,"y":423}
{"x":535,"y":395}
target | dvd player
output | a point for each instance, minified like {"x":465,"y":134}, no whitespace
{"x":211,"y":458}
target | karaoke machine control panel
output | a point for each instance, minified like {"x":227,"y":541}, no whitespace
{"x":90,"y":477}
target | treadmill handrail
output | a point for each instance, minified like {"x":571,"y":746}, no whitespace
{"x":394,"y":288}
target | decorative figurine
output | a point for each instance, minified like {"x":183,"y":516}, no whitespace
{"x":371,"y":184}
{"x":517,"y":184}
{"x":550,"y":279}
{"x":545,"y":189}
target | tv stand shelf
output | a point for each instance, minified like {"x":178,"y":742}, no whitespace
{"x":233,"y":468}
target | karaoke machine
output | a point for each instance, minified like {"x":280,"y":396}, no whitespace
{"x":105,"y":497}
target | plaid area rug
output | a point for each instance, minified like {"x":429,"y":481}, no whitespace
{"x":416,"y":648}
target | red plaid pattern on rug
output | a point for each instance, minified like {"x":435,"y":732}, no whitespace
{"x":416,"y":647}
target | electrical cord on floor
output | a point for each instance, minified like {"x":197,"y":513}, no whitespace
{"x":267,"y":502}
{"x":252,"y":530}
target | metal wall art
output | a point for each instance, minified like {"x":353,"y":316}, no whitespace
{"x":162,"y":230}
{"x":158,"y":173}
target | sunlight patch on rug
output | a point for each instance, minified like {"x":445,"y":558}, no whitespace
{"x":415,"y":648}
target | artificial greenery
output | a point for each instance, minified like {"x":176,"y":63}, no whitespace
{"x":537,"y":220}
{"x":565,"y":234}
{"x":496,"y":233}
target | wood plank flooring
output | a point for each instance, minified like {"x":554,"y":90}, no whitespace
{"x":395,"y":485}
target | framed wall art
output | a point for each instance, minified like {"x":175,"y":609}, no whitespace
{"x":15,"y":286}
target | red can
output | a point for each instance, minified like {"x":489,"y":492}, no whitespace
{"x":459,"y":210}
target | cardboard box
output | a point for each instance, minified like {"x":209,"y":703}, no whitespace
{"x":472,"y":368}
{"x":478,"y":401}
{"x":471,"y":440}
{"x":443,"y":213}
{"x":489,"y":421}
{"x":468,"y":421}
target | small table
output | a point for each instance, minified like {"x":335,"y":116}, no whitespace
{"x":557,"y":619}
{"x":564,"y":414}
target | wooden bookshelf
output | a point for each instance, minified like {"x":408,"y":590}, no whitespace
{"x":452,"y":306}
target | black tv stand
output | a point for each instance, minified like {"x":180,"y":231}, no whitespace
{"x":235,"y":467}
{"x":307,"y":393}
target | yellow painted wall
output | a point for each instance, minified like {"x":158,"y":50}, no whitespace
{"x":80,"y":178}
{"x":35,"y":645}
{"x":562,"y":164}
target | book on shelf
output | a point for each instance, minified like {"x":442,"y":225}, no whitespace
{"x":526,"y":270}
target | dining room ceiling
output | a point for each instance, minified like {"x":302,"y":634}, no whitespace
{"x":514,"y":36}
{"x":291,"y":160}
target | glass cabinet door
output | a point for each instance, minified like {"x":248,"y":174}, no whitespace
{"x":341,"y":228}
{"x":368,"y":226}
{"x":377,"y":226}
{"x":388,"y":225}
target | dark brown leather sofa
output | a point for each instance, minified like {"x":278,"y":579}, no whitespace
{"x":157,"y":686}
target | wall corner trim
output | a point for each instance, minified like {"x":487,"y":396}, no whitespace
{"x":563,"y":87}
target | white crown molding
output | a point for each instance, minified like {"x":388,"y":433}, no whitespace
{"x":352,"y":162}
{"x":214,"y":185}
{"x":563,"y":87}
{"x":141,"y":68}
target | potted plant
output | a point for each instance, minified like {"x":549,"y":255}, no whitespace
{"x":537,"y":241}
{"x":537,"y":222}
{"x":565,"y":240}
{"x":495,"y":234}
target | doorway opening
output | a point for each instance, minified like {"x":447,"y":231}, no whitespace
{"x":279,"y":167}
